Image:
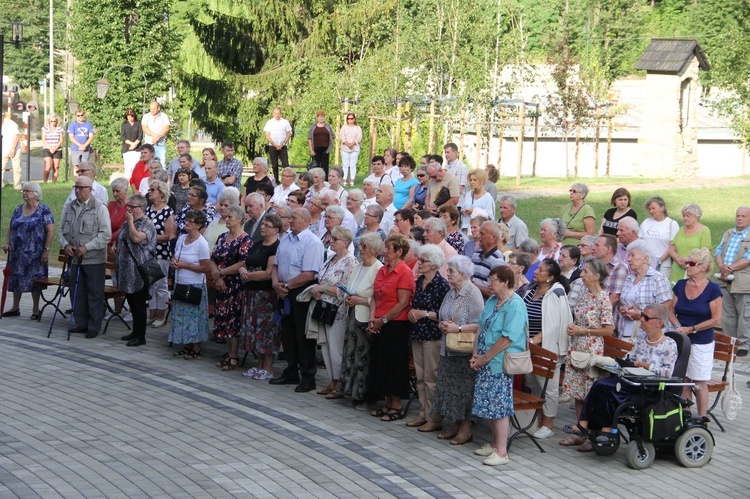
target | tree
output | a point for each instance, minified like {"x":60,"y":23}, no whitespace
{"x":107,"y":34}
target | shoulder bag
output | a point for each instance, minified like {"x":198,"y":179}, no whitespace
{"x":150,"y":270}
{"x":186,"y":293}
{"x":461,"y":342}
{"x":518,"y":362}
{"x":323,"y":311}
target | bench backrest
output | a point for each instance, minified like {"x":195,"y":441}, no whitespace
{"x":723,"y":349}
{"x":543,"y":360}
{"x":615,"y":347}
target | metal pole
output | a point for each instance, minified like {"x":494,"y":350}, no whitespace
{"x":51,"y":56}
{"x":2,"y":167}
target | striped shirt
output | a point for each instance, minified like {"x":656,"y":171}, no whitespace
{"x":484,"y":263}
{"x":52,"y":136}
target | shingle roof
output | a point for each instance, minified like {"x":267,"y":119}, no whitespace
{"x":671,"y":55}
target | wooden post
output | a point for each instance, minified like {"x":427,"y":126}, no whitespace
{"x":478,"y":131}
{"x":489,"y":137}
{"x":397,"y":141}
{"x":431,"y":140}
{"x":609,"y":145}
{"x":407,"y":139}
{"x":596,"y":144}
{"x":373,"y":137}
{"x":501,"y":139}
{"x":461,"y":136}
{"x":536,"y":141}
{"x":744,"y":138}
{"x":521,"y":126}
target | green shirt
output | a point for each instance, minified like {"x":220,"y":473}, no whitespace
{"x":574,"y":221}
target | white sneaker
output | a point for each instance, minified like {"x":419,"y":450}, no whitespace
{"x":158,"y":322}
{"x":543,"y":432}
{"x":495,"y":460}
{"x":128,"y":318}
{"x":250,"y":372}
{"x":485,"y":450}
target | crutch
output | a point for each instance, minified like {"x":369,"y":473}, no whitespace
{"x":64,"y":280}
{"x":75,"y":295}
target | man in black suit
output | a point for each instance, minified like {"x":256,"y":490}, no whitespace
{"x":255,"y":208}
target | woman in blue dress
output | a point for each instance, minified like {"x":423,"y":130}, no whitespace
{"x":502,"y":327}
{"x":28,"y":241}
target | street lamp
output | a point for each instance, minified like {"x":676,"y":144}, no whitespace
{"x":102,"y":85}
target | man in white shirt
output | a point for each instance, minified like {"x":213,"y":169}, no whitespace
{"x":384,"y":198}
{"x":378,"y":172}
{"x":11,"y":145}
{"x":214,"y":185}
{"x":517,"y":229}
{"x":278,"y":133}
{"x":455,"y":166}
{"x":369,"y":186}
{"x":328,"y":198}
{"x":87,"y":169}
{"x":155,"y":125}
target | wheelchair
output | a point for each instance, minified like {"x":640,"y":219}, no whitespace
{"x":692,"y":443}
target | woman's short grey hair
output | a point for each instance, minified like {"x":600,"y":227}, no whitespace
{"x":657,"y":311}
{"x":342,"y":233}
{"x":372,"y":183}
{"x":137,"y":199}
{"x":581,"y":187}
{"x":638,"y":246}
{"x":463,"y":265}
{"x":232,"y":196}
{"x":262,"y":162}
{"x":554,"y":225}
{"x":376,"y":210}
{"x":433,"y":254}
{"x":289,"y":171}
{"x":692,"y":209}
{"x":529,"y":246}
{"x":335,"y":211}
{"x":659,"y":202}
{"x":522,"y":259}
{"x":155,"y":163}
{"x":120,"y":183}
{"x":372,"y":242}
{"x":598,"y":267}
{"x":318,"y":172}
{"x":162,"y":175}
{"x":589,"y":240}
{"x":37,"y":189}
{"x":357,"y":195}
{"x":339,"y":171}
{"x":237,"y":211}
{"x":437,"y":225}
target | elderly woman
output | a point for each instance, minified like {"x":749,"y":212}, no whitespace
{"x":477,"y":197}
{"x":287,"y":185}
{"x":593,"y":321}
{"x":454,"y":236}
{"x":653,"y":350}
{"x":369,"y":188}
{"x":316,"y":213}
{"x":118,"y":207}
{"x":695,"y":311}
{"x":319,"y":180}
{"x":356,"y":356}
{"x":473,"y":243}
{"x":502,"y":328}
{"x":570,"y":262}
{"x":227,"y":258}
{"x":425,"y":334}
{"x":551,"y":231}
{"x":351,"y":138}
{"x":191,"y":262}
{"x":335,"y":177}
{"x":259,"y":176}
{"x":320,"y":139}
{"x":388,"y":376}
{"x":181,"y":188}
{"x":454,"y":390}
{"x":406,"y":185}
{"x":658,"y":231}
{"x":304,"y":182}
{"x":354,"y":205}
{"x":197,"y":200}
{"x":153,"y":167}
{"x":435,"y":231}
{"x":578,"y":217}
{"x":531,"y":247}
{"x":162,"y":217}
{"x":621,"y":202}
{"x":420,"y":192}
{"x":28,"y":240}
{"x":333,"y":218}
{"x":295,"y":200}
{"x":420,"y":217}
{"x":136,"y":242}
{"x":218,"y":226}
{"x":335,"y":271}
{"x":519,"y":263}
{"x":52,"y":147}
{"x":586,"y":247}
{"x":373,"y":216}
{"x":691,"y":236}
{"x":549,"y":316}
{"x":261,"y":333}
{"x":643,"y":286}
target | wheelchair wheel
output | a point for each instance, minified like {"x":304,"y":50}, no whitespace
{"x":638,"y":460}
{"x":694,"y":448}
{"x":605,"y":448}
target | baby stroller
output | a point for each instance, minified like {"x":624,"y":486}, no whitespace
{"x":657,"y":419}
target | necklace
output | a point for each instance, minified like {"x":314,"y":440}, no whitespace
{"x":501,"y":302}
{"x":656,"y":342}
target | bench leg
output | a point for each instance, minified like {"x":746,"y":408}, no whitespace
{"x":710,"y":411}
{"x":524,"y":431}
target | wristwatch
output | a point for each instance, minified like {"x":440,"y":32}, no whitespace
{"x":384,"y":319}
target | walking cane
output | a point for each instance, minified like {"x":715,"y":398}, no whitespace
{"x":63,"y":281}
{"x":75,"y":295}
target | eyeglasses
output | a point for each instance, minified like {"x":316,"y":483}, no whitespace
{"x":79,"y":187}
{"x":350,"y":118}
{"x":152,"y":189}
{"x":647,"y":318}
{"x":84,"y":170}
{"x":420,"y":175}
{"x":288,"y":175}
{"x":336,"y":239}
{"x":134,"y":206}
{"x":292,"y":201}
{"x":397,"y":220}
{"x":79,"y":115}
{"x":268,"y":226}
{"x":192,"y":195}
{"x":424,"y":260}
{"x":691,"y":263}
{"x":573,"y":191}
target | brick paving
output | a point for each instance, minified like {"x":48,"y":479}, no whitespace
{"x":93,"y":418}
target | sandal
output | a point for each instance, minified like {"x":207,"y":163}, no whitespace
{"x":183,"y":352}
{"x":224,"y":360}
{"x":571,"y":441}
{"x":35,"y":316}
{"x":378,"y":413}
{"x":193,"y":355}
{"x":462,"y":439}
{"x":335,"y":395}
{"x":392,"y":415}
{"x":416,"y":422}
{"x":325,"y":391}
{"x":231,"y":364}
{"x":574,"y":429}
{"x":586,"y":446}
{"x":448,"y":434}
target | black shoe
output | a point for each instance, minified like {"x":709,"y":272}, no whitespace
{"x":92,"y":334}
{"x":742,"y":351}
{"x":136,"y":342}
{"x":78,"y":330}
{"x":12,"y":313}
{"x":305,"y":387}
{"x":282,"y":380}
{"x":127,"y":337}
{"x":69,"y":311}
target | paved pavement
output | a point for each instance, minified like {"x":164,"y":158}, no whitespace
{"x":93,"y":418}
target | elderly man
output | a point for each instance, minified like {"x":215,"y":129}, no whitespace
{"x":278,"y":133}
{"x":455,"y":166}
{"x":230,"y":168}
{"x":285,"y":214}
{"x":733,"y":259}
{"x":384,"y":198}
{"x":214,"y":185}
{"x":369,"y":188}
{"x":81,"y":134}
{"x":11,"y":145}
{"x":442,"y":188}
{"x":329,"y":198}
{"x":155,"y":125}
{"x":84,"y":233}
{"x":255,"y":207}
{"x":435,"y":232}
{"x":354,"y":205}
{"x":298,"y":261}
{"x":517,"y":229}
{"x":287,"y":185}
{"x":183,"y":147}
{"x":487,"y":257}
{"x":87,"y":169}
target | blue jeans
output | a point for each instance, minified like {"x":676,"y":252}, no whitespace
{"x":161,"y":153}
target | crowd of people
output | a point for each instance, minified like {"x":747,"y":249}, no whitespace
{"x":387,"y":273}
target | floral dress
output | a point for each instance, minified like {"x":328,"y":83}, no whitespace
{"x":229,"y":303}
{"x":27,"y":238}
{"x":456,"y":239}
{"x":591,"y":311}
{"x":337,"y":273}
{"x":261,"y":329}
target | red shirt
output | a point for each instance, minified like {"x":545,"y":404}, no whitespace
{"x":386,"y":286}
{"x":140,"y":172}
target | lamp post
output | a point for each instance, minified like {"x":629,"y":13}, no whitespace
{"x":102,"y":85}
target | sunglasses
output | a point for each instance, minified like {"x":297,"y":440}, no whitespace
{"x":573,"y":191}
{"x":691,"y":263}
{"x":647,"y":318}
{"x":420,"y":175}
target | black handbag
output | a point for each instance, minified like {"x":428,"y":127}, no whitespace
{"x":325,"y":312}
{"x":664,"y":418}
{"x":187,"y":293}
{"x":149,"y":270}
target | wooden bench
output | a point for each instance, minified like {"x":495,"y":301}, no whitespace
{"x":544,"y":363}
{"x":59,"y":283}
{"x":112,"y":293}
{"x":725,"y":350}
{"x":616,"y":348}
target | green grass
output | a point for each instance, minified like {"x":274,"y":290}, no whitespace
{"x":529,"y":183}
